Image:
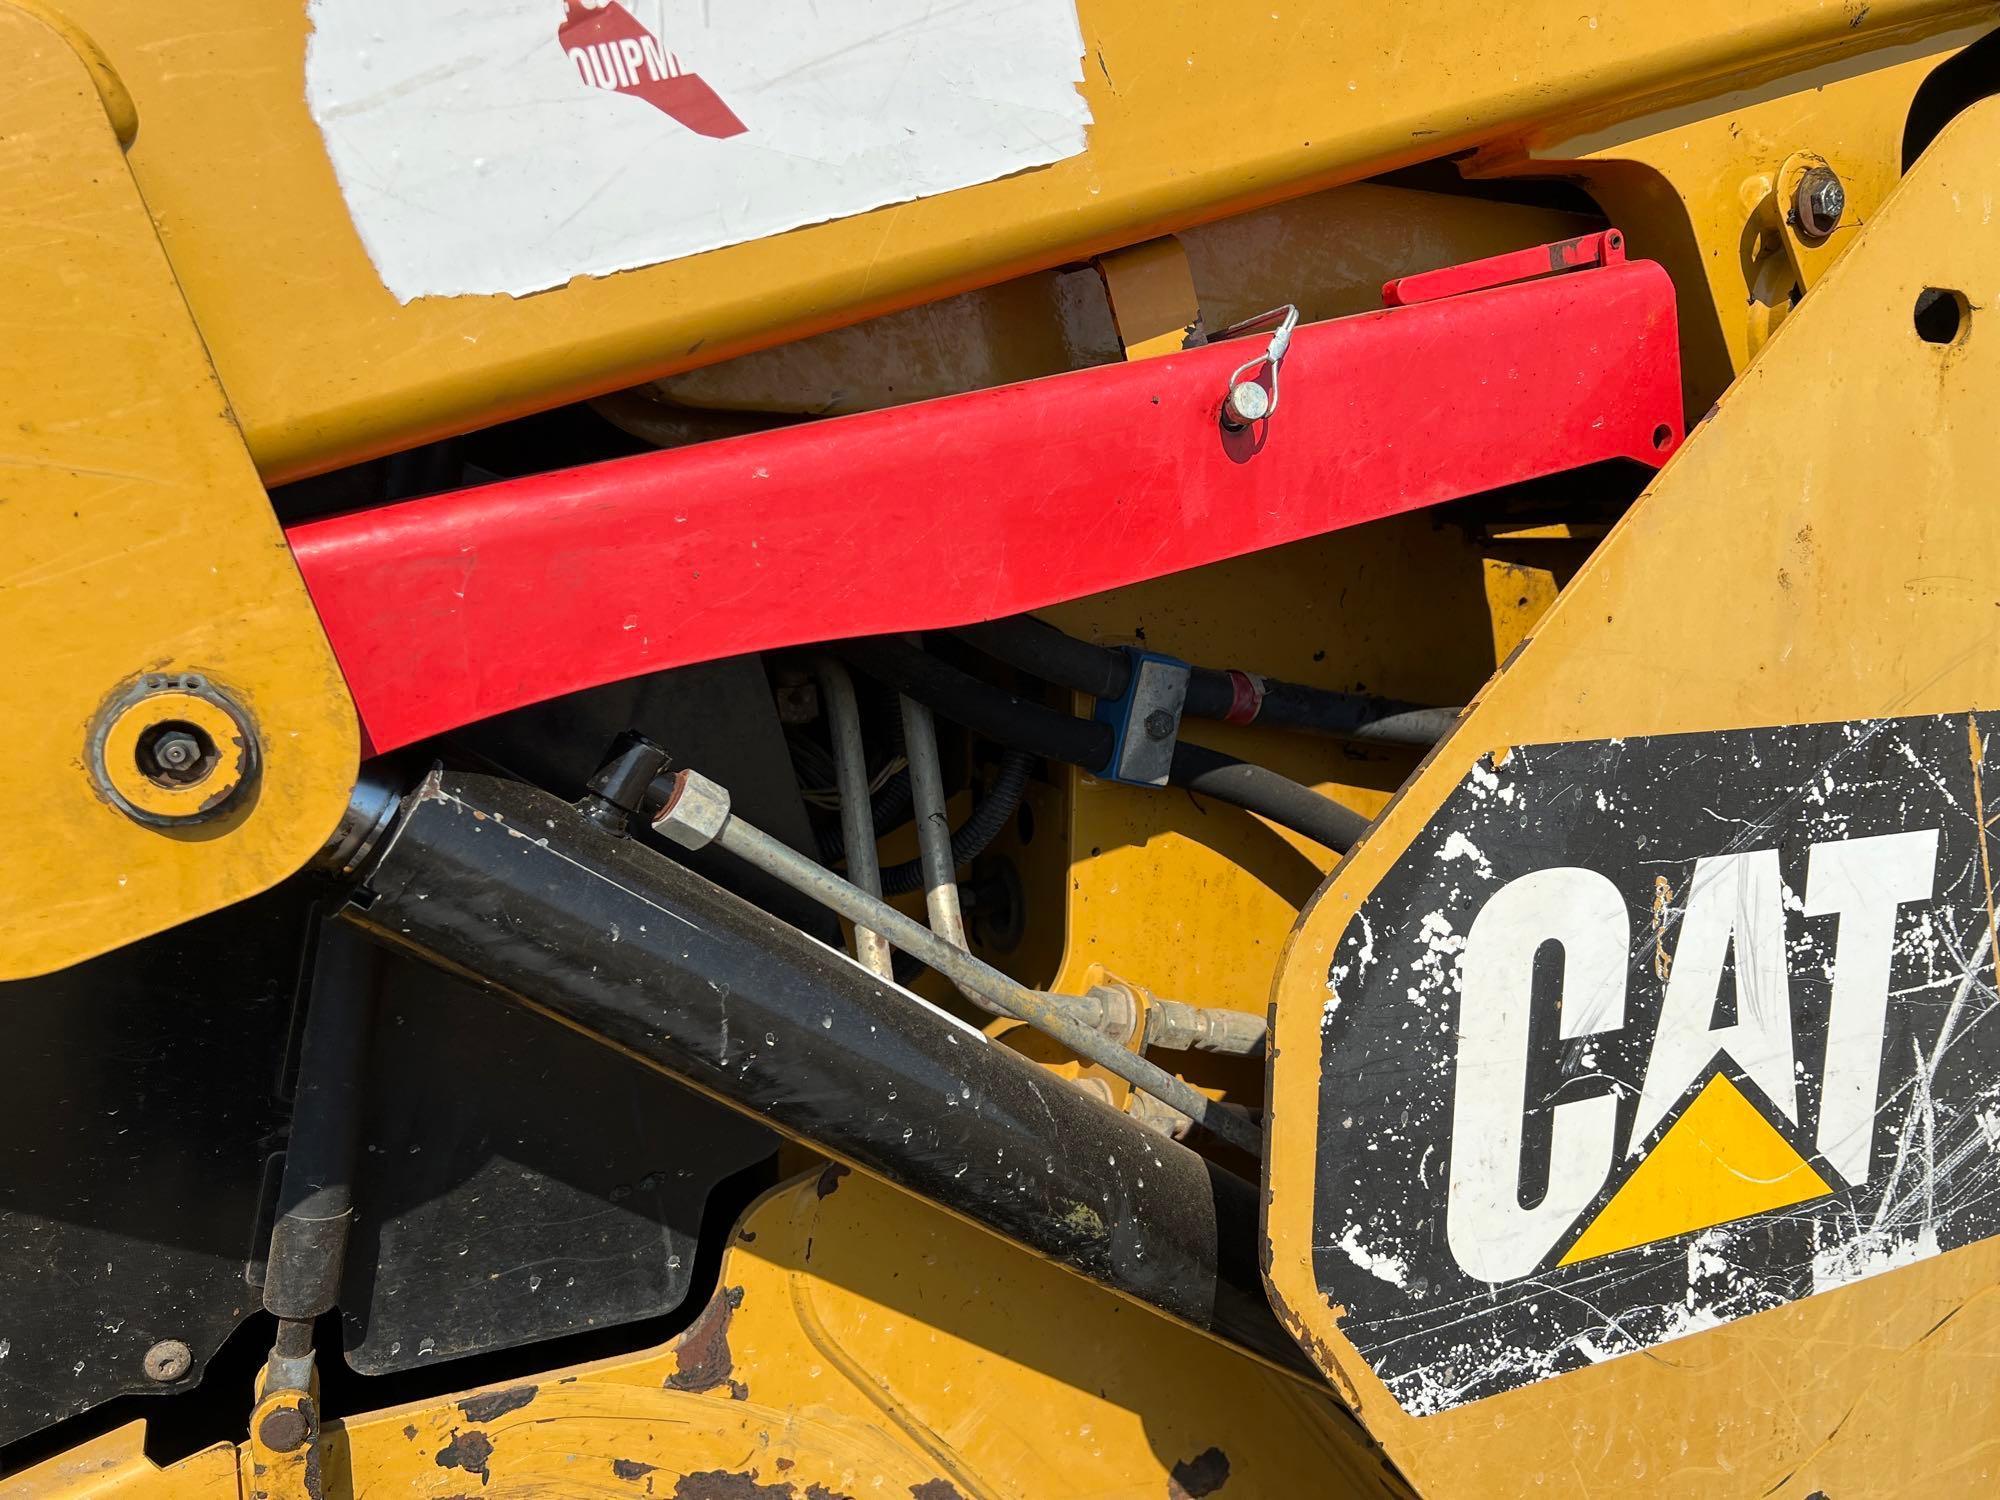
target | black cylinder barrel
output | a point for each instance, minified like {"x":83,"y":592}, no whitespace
{"x":506,"y":883}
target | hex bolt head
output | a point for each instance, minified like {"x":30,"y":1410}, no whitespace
{"x":167,"y":1360}
{"x":1159,"y":725}
{"x":177,"y":752}
{"x":1248,"y":402}
{"x":285,"y":1430}
{"x":1819,"y":202}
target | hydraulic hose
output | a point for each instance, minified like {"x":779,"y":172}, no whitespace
{"x":1040,"y":650}
{"x":972,"y":837}
{"x":1258,"y":790}
{"x":1014,"y":721}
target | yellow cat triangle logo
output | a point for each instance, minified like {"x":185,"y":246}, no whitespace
{"x":1720,"y":1160}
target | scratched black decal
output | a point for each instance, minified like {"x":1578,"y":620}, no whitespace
{"x":1644,"y":1036}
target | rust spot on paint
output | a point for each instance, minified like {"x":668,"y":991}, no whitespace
{"x":829,"y":1179}
{"x":491,"y":1404}
{"x":724,"y":1484}
{"x":721,"y":1484}
{"x":1204,"y":1474}
{"x":469,"y":1451}
{"x":703,"y":1350}
{"x":936,"y":1489}
{"x":631,"y":1468}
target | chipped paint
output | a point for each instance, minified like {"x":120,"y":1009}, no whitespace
{"x":470,"y":1451}
{"x":703,"y":1350}
{"x":488,"y":1405}
{"x":1200,"y":1476}
{"x":726,"y":1484}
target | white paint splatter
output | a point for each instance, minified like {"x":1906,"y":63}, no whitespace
{"x":1458,"y":846}
{"x":1382,"y":1267}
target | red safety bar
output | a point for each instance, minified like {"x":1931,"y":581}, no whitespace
{"x":452,"y":608}
{"x":1605,"y":248}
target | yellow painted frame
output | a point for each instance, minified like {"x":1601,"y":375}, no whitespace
{"x":1834,"y":520}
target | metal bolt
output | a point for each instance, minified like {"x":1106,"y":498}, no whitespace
{"x":285,"y":1430}
{"x":177,"y":751}
{"x":1819,"y":202}
{"x":1248,"y":402}
{"x":1159,"y":725}
{"x":169,"y":1359}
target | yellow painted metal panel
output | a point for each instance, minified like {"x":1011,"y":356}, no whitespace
{"x":1833,"y":523}
{"x":1705,"y":190}
{"x":115,"y":1467}
{"x":860,"y":1343}
{"x":1200,"y":111}
{"x":136,"y":543}
{"x":1196,"y":901}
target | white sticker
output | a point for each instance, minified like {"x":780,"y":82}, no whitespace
{"x":509,"y":145}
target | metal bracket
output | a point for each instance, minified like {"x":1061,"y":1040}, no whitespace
{"x":1146,"y":720}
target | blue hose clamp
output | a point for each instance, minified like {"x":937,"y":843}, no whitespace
{"x":1146,"y":720}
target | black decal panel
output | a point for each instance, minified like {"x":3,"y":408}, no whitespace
{"x":1540,"y":1150}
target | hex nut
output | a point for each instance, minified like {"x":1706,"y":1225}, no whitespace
{"x":696,"y":812}
{"x":168,"y":1360}
{"x":1119,"y":1009}
{"x":1819,"y":202}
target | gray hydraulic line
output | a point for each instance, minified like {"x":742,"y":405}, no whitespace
{"x":940,"y":866}
{"x":697,"y":813}
{"x":857,"y":817}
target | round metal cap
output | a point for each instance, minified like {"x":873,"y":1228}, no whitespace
{"x":172,"y":750}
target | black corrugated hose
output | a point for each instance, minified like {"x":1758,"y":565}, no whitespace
{"x":970,"y":839}
{"x":888,"y":809}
